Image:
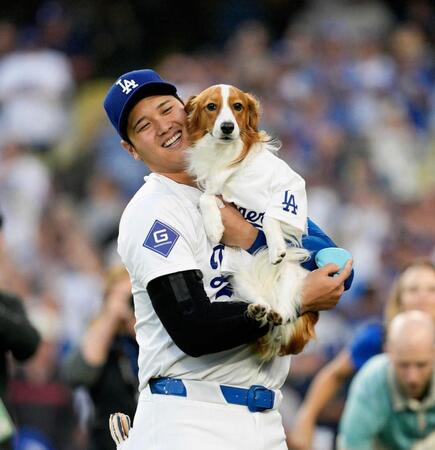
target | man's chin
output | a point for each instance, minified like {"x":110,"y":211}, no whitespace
{"x":414,"y":392}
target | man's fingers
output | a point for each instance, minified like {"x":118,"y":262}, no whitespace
{"x":345,"y":272}
{"x":220,"y":199}
{"x":339,"y":291}
{"x":330,"y":268}
{"x":220,"y":202}
{"x":336,"y":293}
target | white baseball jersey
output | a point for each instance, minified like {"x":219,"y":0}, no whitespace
{"x":161,"y":232}
{"x":265,"y":185}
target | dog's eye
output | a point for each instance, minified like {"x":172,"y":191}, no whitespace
{"x":238,"y":106}
{"x":211,"y":106}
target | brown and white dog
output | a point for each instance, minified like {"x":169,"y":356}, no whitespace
{"x":230,"y":157}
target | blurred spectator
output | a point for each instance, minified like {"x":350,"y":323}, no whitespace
{"x":71,"y":270}
{"x":364,"y":234}
{"x":11,"y":279}
{"x":40,"y":402}
{"x":35,"y":88}
{"x":187,"y":73}
{"x":66,"y":33}
{"x":357,"y":19}
{"x":118,"y":166}
{"x":332,"y":333}
{"x":250,"y":59}
{"x":8,"y":37}
{"x":17,"y":336}
{"x":101,"y":210}
{"x":25,"y":187}
{"x":414,"y":289}
{"x":106,"y":361}
{"x":395,"y":152}
{"x":391,"y":401}
{"x":415,"y":73}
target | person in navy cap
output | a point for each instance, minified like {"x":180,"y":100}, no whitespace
{"x":201,"y":385}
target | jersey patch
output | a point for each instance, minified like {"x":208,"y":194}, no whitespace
{"x":161,"y":238}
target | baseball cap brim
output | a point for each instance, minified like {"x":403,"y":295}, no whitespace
{"x":147,"y":90}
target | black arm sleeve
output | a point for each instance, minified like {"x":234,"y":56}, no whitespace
{"x":196,"y":325}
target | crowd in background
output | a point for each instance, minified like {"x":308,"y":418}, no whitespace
{"x":347,"y":87}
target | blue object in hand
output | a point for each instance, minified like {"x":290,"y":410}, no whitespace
{"x":334,"y":255}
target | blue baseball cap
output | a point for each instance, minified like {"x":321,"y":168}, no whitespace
{"x":128,"y":90}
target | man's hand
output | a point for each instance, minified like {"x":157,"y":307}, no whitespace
{"x":238,"y":231}
{"x":322,"y":291}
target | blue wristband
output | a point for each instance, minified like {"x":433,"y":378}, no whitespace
{"x":260,"y":242}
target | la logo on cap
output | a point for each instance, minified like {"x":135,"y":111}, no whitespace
{"x":127,"y":85}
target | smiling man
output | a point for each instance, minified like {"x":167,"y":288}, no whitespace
{"x":198,"y":375}
{"x":166,"y":114}
{"x":391,"y":403}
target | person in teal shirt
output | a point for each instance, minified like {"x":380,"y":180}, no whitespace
{"x":391,"y":402}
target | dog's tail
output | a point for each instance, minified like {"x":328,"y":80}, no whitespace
{"x":302,"y":332}
{"x":289,"y":339}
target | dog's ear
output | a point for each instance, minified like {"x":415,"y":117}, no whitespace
{"x":253,"y":112}
{"x":193,"y":118}
{"x":190,"y":105}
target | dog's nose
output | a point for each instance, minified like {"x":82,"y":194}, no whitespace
{"x":227,"y":127}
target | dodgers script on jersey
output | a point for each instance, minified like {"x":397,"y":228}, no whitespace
{"x":161,"y":232}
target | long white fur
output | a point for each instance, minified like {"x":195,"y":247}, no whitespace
{"x":276,"y":280}
{"x":276,"y":287}
{"x":210,"y":161}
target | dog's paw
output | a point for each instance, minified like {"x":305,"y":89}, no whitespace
{"x":274,"y":318}
{"x":257,"y":311}
{"x":211,"y":215}
{"x":277,"y":254}
{"x":214,"y":229}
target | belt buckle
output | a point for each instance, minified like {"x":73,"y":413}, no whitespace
{"x":260,"y":398}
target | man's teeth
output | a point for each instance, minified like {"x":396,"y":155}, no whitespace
{"x":172,"y":140}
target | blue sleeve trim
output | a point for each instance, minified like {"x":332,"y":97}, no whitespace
{"x":260,"y":242}
{"x":315,"y":231}
{"x":316,"y":240}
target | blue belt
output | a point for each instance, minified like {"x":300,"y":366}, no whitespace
{"x":257,"y":398}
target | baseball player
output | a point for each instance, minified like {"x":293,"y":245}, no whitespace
{"x":201,"y":386}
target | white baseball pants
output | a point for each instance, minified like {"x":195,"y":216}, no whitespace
{"x":166,"y":422}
